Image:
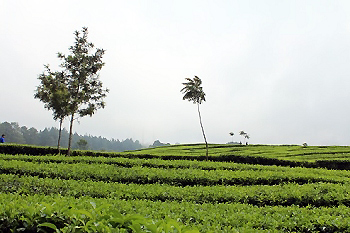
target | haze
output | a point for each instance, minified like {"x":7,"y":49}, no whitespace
{"x":278,"y":70}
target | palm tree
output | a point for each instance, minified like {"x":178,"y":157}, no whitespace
{"x":231,"y":134}
{"x":243,"y":134}
{"x":194,"y":93}
{"x":246,"y":136}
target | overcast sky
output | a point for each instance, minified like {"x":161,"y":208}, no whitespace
{"x":277,"y":69}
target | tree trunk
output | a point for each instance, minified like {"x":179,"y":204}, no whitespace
{"x":205,"y":139}
{"x":70,"y":134}
{"x":59,"y":136}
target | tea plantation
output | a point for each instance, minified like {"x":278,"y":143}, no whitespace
{"x":255,"y":188}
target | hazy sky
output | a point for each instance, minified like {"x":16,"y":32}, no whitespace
{"x":277,"y":69}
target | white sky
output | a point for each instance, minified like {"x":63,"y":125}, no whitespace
{"x":277,"y":69}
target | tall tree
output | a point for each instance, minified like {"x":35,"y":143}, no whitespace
{"x":193,"y":92}
{"x":85,"y":89}
{"x":53,"y":92}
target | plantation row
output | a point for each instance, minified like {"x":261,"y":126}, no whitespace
{"x":319,"y":194}
{"x":179,"y":177}
{"x":127,"y":162}
{"x":165,"y":164}
{"x":88,"y":214}
{"x":153,"y":163}
{"x":293,"y":156}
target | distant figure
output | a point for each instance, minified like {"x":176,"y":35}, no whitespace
{"x":2,"y":139}
{"x":246,"y":143}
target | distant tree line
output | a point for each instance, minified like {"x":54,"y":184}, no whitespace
{"x":48,"y":137}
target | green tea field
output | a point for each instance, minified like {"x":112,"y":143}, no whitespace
{"x":255,"y":188}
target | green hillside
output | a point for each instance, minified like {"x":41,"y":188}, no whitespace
{"x":172,"y":189}
{"x":283,"y":152}
{"x":332,"y":157}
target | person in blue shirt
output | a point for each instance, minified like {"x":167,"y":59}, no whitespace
{"x":2,"y":139}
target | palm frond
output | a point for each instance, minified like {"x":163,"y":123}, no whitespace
{"x":193,"y":91}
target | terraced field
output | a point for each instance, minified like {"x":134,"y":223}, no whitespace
{"x":172,"y":189}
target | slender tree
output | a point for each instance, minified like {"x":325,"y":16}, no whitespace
{"x":231,"y":134}
{"x":81,"y":68}
{"x":193,"y":92}
{"x":244,"y":135}
{"x":247,"y":136}
{"x":53,"y":92}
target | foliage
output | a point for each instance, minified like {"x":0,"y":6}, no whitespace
{"x":193,"y":90}
{"x":64,"y":215}
{"x":81,"y":68}
{"x":53,"y":92}
{"x":78,"y":214}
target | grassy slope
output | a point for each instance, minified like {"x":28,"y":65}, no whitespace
{"x":282,"y":152}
